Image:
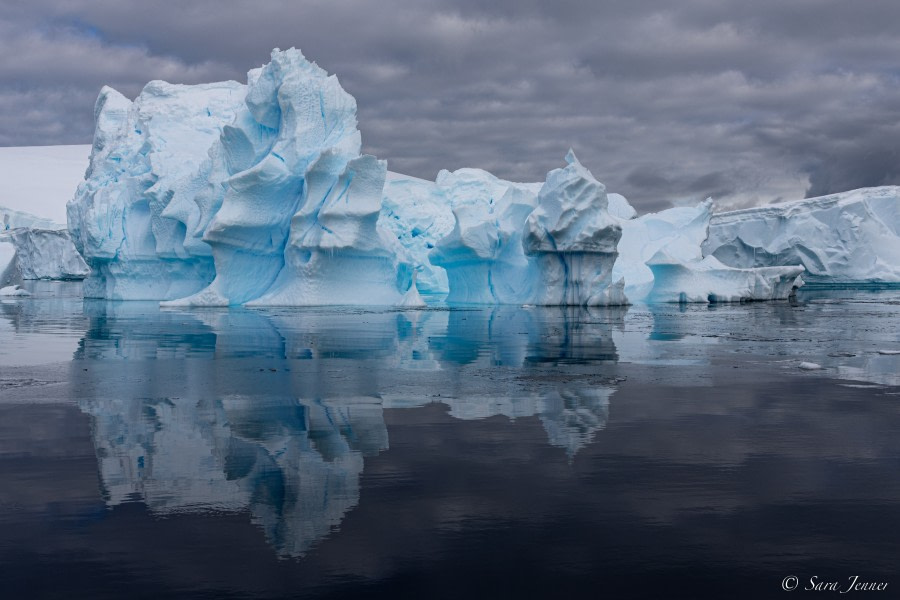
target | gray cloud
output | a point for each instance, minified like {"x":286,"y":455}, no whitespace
{"x":666,"y":103}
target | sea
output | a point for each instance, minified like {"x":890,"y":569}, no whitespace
{"x":651,"y":451}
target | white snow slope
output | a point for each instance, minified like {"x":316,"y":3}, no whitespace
{"x":40,"y":180}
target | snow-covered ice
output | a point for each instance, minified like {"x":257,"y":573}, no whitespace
{"x":847,"y":238}
{"x":708,"y":280}
{"x":45,"y":254}
{"x":661,"y":260}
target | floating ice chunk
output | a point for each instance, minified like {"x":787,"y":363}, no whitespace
{"x":517,"y":244}
{"x":851,"y":237}
{"x":708,"y":280}
{"x":809,"y":366}
{"x":412,"y":299}
{"x":47,"y":254}
{"x":14,"y":290}
{"x":889,"y":352}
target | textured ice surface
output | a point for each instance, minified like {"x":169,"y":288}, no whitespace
{"x":483,"y":253}
{"x":45,"y":254}
{"x":550,"y":244}
{"x":418,"y":214}
{"x":144,"y":158}
{"x":229,"y":194}
{"x":222,"y":194}
{"x":337,"y":252}
{"x":661,"y":260}
{"x":708,"y":280}
{"x":292,"y":180}
{"x":679,"y":230}
{"x":573,"y":239}
{"x":852,"y":237}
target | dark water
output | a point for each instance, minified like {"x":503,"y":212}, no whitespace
{"x":654,"y":452}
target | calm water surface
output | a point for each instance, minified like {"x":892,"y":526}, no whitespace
{"x":652,"y":452}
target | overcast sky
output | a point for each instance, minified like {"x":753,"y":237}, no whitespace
{"x":666,"y":102}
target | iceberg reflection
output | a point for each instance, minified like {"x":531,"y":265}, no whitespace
{"x":279,"y":424}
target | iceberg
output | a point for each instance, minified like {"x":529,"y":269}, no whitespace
{"x":289,"y":185}
{"x":708,"y":280}
{"x":842,"y":239}
{"x":46,"y":254}
{"x":483,"y":253}
{"x":222,"y":194}
{"x":544,"y":244}
{"x":143,"y":155}
{"x":228,"y":194}
{"x":27,"y":253}
{"x":573,"y":239}
{"x":661,"y":260}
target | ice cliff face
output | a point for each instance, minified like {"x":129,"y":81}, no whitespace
{"x":29,"y":253}
{"x":573,"y":240}
{"x":852,"y":237}
{"x":9,"y":272}
{"x":144,"y":159}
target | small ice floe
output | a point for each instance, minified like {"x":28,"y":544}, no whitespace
{"x":889,"y":352}
{"x":13,"y":290}
{"x":810,"y":366}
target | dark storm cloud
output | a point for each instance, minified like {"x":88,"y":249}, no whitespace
{"x":665,"y":103}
